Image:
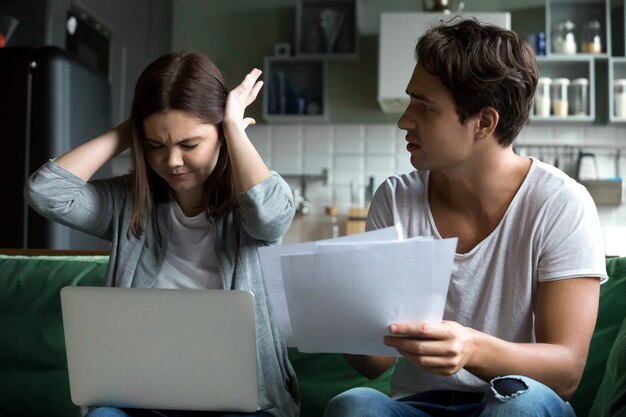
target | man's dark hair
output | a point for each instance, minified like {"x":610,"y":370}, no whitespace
{"x":482,"y":66}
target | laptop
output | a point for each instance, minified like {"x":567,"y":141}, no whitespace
{"x":161,"y":348}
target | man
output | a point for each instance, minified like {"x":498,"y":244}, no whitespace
{"x":523,"y":295}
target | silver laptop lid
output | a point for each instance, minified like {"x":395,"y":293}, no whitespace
{"x":161,"y":349}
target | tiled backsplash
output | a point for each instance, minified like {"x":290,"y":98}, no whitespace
{"x":354,"y":152}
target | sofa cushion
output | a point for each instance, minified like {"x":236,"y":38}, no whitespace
{"x":33,"y":366}
{"x":611,"y":398}
{"x":321,"y":376}
{"x":611,"y":314}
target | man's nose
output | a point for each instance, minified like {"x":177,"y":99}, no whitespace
{"x":404,"y":123}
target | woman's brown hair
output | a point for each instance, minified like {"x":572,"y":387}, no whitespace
{"x":483,"y":66}
{"x":189,"y":82}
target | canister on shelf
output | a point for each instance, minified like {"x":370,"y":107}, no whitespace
{"x":591,"y":38}
{"x":620,"y":97}
{"x":542,"y":97}
{"x":560,"y":102}
{"x":579,"y":98}
{"x":563,"y":38}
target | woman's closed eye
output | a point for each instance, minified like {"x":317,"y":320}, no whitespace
{"x":188,"y":146}
{"x":154,"y":145}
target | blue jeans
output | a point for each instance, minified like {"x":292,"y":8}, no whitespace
{"x":128,"y":412}
{"x":510,"y":396}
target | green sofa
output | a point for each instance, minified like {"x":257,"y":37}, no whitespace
{"x":33,"y":374}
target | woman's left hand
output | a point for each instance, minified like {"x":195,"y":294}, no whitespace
{"x":241,"y":97}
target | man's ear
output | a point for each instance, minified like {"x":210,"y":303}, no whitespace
{"x":488,"y":119}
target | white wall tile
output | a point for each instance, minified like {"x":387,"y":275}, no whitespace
{"x":379,"y":163}
{"x":287,"y":149}
{"x":287,"y":132}
{"x":379,"y":139}
{"x":403,"y":164}
{"x":349,"y":163}
{"x":533,"y":134}
{"x":401,"y":146}
{"x":261,"y":138}
{"x":349,"y":139}
{"x":317,"y":138}
{"x":315,"y":162}
{"x":348,"y":177}
{"x":600,"y":135}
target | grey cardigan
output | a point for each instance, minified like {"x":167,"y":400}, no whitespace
{"x":103,"y":207}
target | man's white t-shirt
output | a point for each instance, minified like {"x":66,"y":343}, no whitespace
{"x":550,"y":231}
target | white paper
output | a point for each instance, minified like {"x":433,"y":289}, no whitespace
{"x":272,"y":270}
{"x":358,"y":290}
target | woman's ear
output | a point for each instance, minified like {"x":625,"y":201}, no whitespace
{"x":488,"y":119}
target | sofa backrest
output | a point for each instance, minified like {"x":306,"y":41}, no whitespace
{"x":33,"y":366}
{"x":611,"y":314}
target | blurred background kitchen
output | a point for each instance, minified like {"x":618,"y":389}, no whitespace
{"x":335,"y":73}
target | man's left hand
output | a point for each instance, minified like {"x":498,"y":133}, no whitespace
{"x":438,"y":348}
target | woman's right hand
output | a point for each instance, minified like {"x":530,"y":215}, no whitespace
{"x":87,"y":158}
{"x":240,"y":98}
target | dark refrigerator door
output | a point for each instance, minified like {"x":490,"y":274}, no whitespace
{"x":70,"y":104}
{"x":62,"y":103}
{"x":14,"y":119}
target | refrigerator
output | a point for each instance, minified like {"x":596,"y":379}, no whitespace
{"x":50,"y":102}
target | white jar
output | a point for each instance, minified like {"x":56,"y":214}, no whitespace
{"x":542,"y":97}
{"x":620,"y":98}
{"x":563,"y":38}
{"x":560,"y":102}
{"x":579,"y":97}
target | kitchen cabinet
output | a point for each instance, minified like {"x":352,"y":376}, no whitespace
{"x":580,"y":13}
{"x":327,"y":28}
{"x":568,"y":68}
{"x":297,"y":86}
{"x":601,"y":64}
{"x":296,"y":90}
{"x":399,"y":33}
{"x":617,"y":90}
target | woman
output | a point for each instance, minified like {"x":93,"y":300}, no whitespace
{"x":198,"y":204}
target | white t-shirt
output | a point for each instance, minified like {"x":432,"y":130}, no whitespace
{"x":550,"y":231}
{"x":190,"y":261}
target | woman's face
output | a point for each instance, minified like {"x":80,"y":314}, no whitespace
{"x":182,"y":150}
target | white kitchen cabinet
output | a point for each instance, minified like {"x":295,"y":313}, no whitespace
{"x":399,"y":33}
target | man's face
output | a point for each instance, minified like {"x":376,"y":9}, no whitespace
{"x":436,"y":139}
